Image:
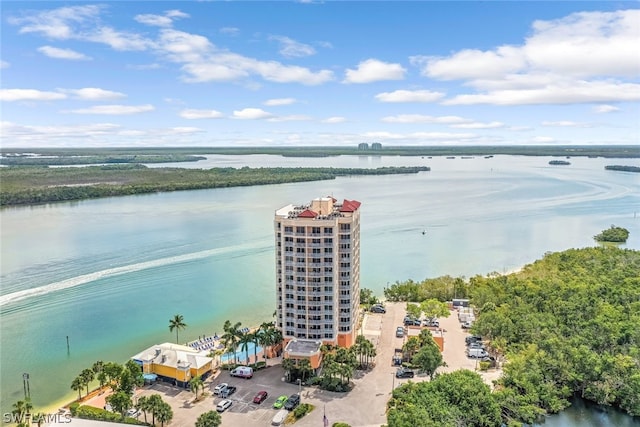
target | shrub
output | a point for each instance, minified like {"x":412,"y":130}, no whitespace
{"x":73,"y":408}
{"x":340,"y":424}
{"x":260,"y":365}
{"x":484,"y":366}
{"x":302,"y":410}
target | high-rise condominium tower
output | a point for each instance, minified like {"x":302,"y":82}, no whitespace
{"x":318,"y":270}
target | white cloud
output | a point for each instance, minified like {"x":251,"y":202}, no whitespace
{"x":200,"y":114}
{"x":604,"y":108}
{"x":335,"y":119}
{"x":94,"y":94}
{"x":115,"y":109}
{"x":279,"y":101}
{"x":420,"y":118}
{"x":29,"y":95}
{"x":291,"y":118}
{"x":4,"y":64}
{"x":251,"y":114}
{"x":185,"y":130}
{"x":292,"y":49}
{"x":478,"y":125}
{"x":373,"y":70}
{"x":26,"y":132}
{"x":565,"y":123}
{"x":165,"y":20}
{"x":54,"y":52}
{"x":581,"y":58}
{"x":562,"y":93}
{"x":409,"y":96}
{"x":119,"y":40}
{"x":443,"y":136}
{"x":58,"y":23}
{"x":154,"y":20}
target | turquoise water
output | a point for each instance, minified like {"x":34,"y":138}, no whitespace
{"x":241,"y":355}
{"x":110,"y":273}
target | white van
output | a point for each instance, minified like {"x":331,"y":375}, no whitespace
{"x":279,"y":417}
{"x":476,"y":353}
{"x":242,"y":372}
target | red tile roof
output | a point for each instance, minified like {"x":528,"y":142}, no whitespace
{"x":308,"y":214}
{"x":350,"y":205}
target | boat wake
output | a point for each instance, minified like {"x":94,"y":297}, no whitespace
{"x":116,"y":271}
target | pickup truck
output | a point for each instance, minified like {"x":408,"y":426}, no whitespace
{"x":397,"y":357}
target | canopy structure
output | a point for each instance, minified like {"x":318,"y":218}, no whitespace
{"x":150,"y":377}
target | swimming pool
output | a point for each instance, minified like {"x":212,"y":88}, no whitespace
{"x":241,"y":354}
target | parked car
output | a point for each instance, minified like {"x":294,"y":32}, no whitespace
{"x":223,"y":405}
{"x":476,"y":344}
{"x":242,"y":372}
{"x":472,"y":338}
{"x":133,"y":413}
{"x":279,"y":418}
{"x":434,"y":323}
{"x":228,"y":391}
{"x":280,"y":401}
{"x":260,"y":397}
{"x":399,"y":332}
{"x":220,"y":388}
{"x":476,"y":353}
{"x":410,"y":321}
{"x":378,"y":309}
{"x":404,"y":373}
{"x":467,"y":325}
{"x":292,"y":402}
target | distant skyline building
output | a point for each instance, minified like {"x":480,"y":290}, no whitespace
{"x":318,"y":272}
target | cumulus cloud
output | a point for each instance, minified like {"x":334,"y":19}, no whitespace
{"x":335,"y":119}
{"x":420,"y":118}
{"x":373,"y":70}
{"x":479,"y":125}
{"x":279,"y":101}
{"x":165,"y":20}
{"x":115,"y":110}
{"x":584,"y":57}
{"x":409,"y":96}
{"x":561,"y":93}
{"x":29,"y":95}
{"x":200,"y":114}
{"x":604,"y":108}
{"x":58,"y":53}
{"x":290,"y":118}
{"x":293,"y":49}
{"x":251,"y":114}
{"x":58,"y":23}
{"x":4,"y":64}
{"x":566,"y":123}
{"x":432,"y":136}
{"x":93,"y":94}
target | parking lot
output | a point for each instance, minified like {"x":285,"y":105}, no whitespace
{"x":364,"y":406}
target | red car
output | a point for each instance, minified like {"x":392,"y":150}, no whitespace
{"x":260,"y":397}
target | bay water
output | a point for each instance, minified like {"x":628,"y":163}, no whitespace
{"x":110,"y":273}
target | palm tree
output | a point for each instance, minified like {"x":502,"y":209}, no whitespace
{"x":143,"y":405}
{"x":304,"y":366}
{"x":77,"y":385}
{"x":288,"y":365}
{"x":177,"y":323}
{"x":245,"y":340}
{"x":255,"y":339}
{"x":231,"y":337}
{"x":209,"y":419}
{"x":154,"y":403}
{"x":195,"y":383}
{"x":87,"y":375}
{"x":164,"y":413}
{"x":97,"y":368}
{"x":21,"y":408}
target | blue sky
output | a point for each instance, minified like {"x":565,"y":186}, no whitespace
{"x":162,"y":73}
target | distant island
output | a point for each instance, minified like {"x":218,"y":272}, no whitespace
{"x":37,"y":185}
{"x":559,"y":162}
{"x":635,"y":169}
{"x":613,"y":234}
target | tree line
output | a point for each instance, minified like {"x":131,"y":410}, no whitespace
{"x":36,"y":185}
{"x":567,"y":325}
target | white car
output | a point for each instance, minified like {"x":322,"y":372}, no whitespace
{"x":220,"y":388}
{"x":133,"y":412}
{"x":223,"y":405}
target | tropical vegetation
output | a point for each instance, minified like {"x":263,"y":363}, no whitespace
{"x":621,"y":168}
{"x":613,"y":234}
{"x":177,"y":323}
{"x":209,"y":419}
{"x":567,"y":325}
{"x":34,"y":185}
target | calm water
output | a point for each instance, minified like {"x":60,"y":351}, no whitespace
{"x":110,"y":273}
